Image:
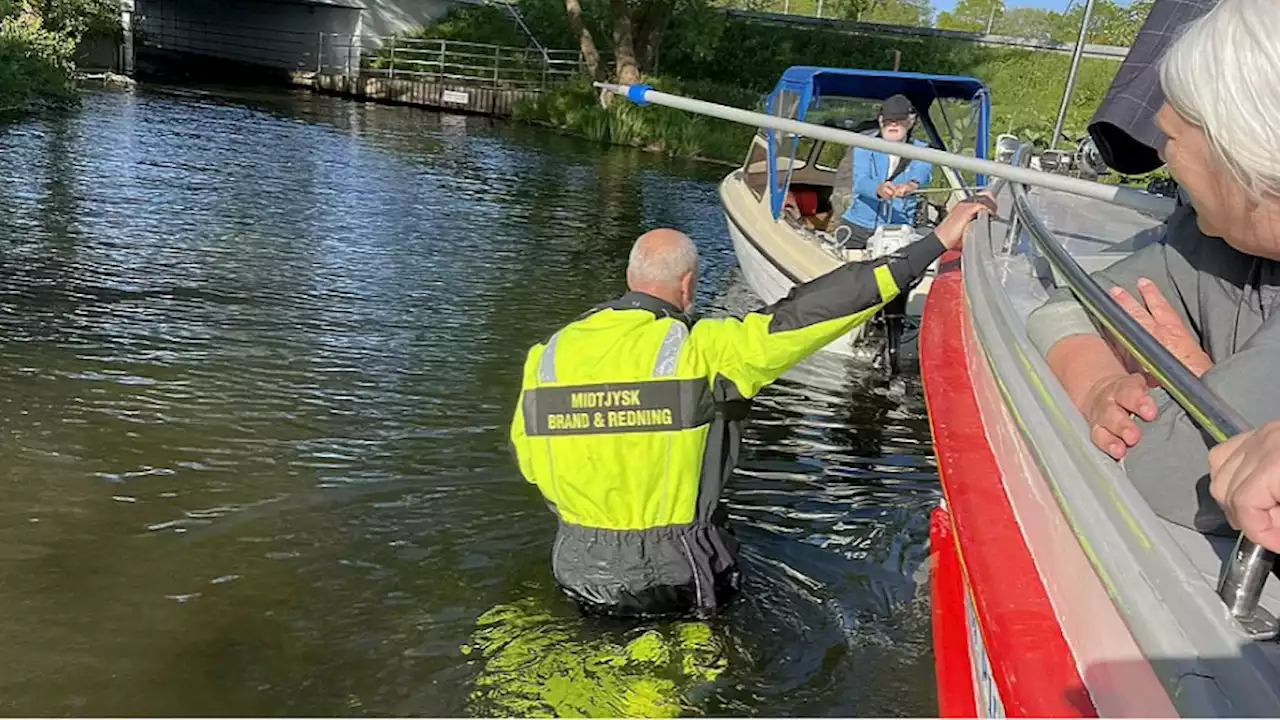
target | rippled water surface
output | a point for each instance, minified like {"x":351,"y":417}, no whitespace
{"x":258,"y":353}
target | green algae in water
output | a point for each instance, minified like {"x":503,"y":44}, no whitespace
{"x":534,"y":666}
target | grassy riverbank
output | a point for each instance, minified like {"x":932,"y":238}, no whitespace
{"x":1025,"y":91}
{"x":734,"y":61}
{"x":38,"y":48}
{"x":576,"y":109}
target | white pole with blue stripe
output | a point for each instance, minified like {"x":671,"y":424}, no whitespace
{"x":1115,"y":194}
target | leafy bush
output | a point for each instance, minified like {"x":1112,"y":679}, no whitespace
{"x":38,"y":40}
{"x":476,"y":23}
{"x":35,"y":63}
{"x":78,"y":19}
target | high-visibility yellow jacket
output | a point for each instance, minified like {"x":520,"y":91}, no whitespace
{"x":630,"y":417}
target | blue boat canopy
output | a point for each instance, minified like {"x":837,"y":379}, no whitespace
{"x":810,"y":82}
{"x":801,"y":85}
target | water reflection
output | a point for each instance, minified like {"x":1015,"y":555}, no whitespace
{"x":257,"y":362}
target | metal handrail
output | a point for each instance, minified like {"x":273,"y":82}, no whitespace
{"x":1245,"y":571}
{"x":473,"y":63}
{"x":1115,"y":194}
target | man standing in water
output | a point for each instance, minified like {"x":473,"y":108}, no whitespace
{"x":630,"y":417}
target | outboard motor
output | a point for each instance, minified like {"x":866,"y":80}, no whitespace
{"x":888,"y":239}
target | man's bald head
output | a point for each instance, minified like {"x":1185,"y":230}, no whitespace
{"x":664,"y":263}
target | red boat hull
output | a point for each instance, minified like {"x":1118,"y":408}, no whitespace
{"x":999,"y":647}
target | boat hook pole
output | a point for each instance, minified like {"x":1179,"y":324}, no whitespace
{"x":1115,"y":194}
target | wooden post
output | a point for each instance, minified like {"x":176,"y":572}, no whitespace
{"x":497,"y":53}
{"x":440,"y":69}
{"x":393,"y":57}
{"x":897,"y":60}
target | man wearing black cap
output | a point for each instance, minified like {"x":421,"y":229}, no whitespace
{"x":882,"y":184}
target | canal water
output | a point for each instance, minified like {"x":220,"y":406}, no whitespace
{"x":258,"y":355}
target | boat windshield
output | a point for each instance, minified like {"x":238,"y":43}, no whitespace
{"x":950,"y":124}
{"x":785,"y":103}
{"x":952,"y":115}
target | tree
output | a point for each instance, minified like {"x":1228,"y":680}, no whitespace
{"x":899,"y":12}
{"x":78,"y":18}
{"x":849,"y":9}
{"x":638,"y":27}
{"x":972,"y":15}
{"x":1121,"y":23}
{"x":624,"y":42}
{"x":37,"y":47}
{"x":1032,"y":23}
{"x":1110,"y":23}
{"x":585,"y":42}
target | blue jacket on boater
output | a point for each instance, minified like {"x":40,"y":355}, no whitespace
{"x":870,"y":168}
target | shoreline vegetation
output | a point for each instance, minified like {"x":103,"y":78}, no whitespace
{"x":40,"y":41}
{"x":575,"y":109}
{"x":708,"y":55}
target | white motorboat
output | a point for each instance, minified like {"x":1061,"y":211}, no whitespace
{"x":779,"y":243}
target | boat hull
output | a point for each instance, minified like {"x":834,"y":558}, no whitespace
{"x":770,"y":282}
{"x":775,"y":257}
{"x":1045,"y":638}
{"x":1018,"y":661}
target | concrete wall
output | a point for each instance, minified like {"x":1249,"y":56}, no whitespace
{"x":422,"y":93}
{"x":98,"y":53}
{"x":281,"y":34}
{"x":293,"y":35}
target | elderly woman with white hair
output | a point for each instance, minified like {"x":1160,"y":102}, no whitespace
{"x":1211,"y":290}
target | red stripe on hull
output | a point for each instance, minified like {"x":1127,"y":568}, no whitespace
{"x":950,"y":636}
{"x":1032,"y":665}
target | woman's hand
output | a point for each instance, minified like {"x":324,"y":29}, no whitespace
{"x":1244,"y":477}
{"x":1160,"y":319}
{"x":1108,"y":407}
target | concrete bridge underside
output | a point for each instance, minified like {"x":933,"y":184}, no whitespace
{"x":285,"y":35}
